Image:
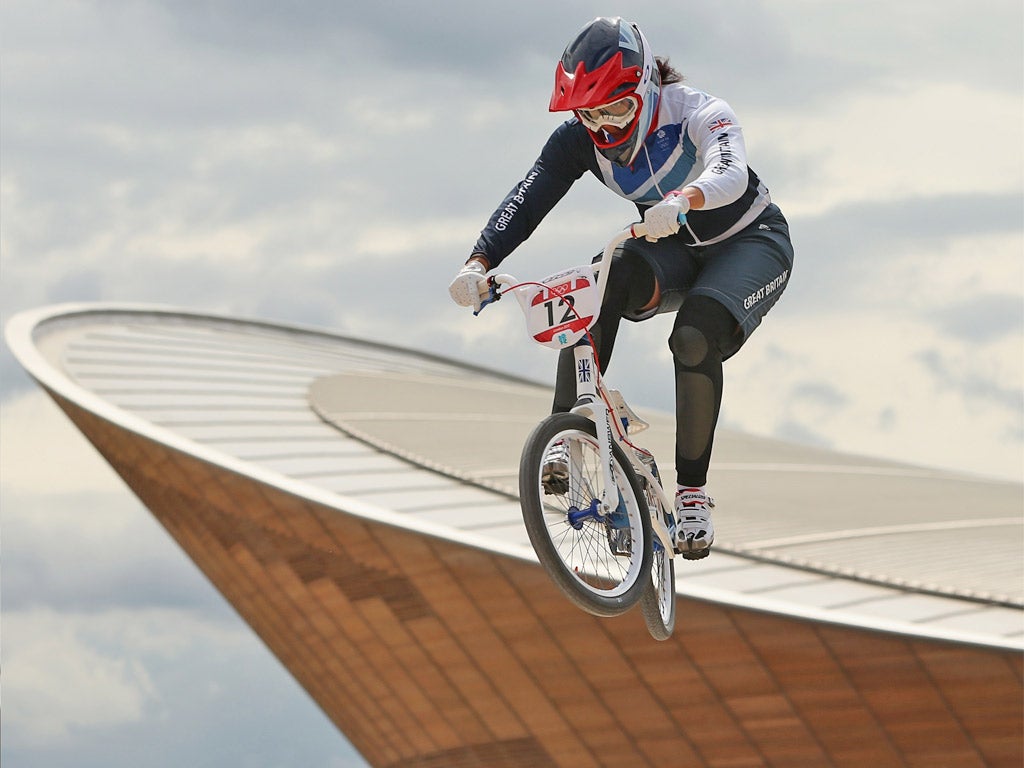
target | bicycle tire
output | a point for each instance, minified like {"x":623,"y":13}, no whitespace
{"x":590,"y":560}
{"x":658,"y":601}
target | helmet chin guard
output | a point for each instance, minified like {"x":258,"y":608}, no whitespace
{"x":608,"y":60}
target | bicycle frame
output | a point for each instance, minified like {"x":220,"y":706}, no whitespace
{"x":589,"y":390}
{"x":594,"y":401}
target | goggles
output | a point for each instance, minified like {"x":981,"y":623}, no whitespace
{"x":617,"y":114}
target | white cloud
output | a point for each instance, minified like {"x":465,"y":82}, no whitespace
{"x":55,"y":681}
{"x":39,"y":453}
{"x":912,"y":140}
{"x":887,"y":403}
{"x":392,"y":235}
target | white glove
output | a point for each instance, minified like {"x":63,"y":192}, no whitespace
{"x":664,"y":218}
{"x":469,"y":287}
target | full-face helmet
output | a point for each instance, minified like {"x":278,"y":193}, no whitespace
{"x":608,"y":77}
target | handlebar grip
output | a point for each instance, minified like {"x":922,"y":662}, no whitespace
{"x":638,"y":229}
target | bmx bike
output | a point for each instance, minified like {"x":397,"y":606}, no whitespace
{"x":605,"y":533}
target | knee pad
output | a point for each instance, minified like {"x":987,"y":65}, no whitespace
{"x":689,"y":346}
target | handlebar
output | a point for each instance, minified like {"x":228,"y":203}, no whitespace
{"x":635,"y":230}
{"x":494,"y":282}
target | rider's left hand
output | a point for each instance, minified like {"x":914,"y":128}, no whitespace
{"x":664,"y":218}
{"x":469,"y":288}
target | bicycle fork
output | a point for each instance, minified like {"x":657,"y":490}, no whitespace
{"x":587,"y":405}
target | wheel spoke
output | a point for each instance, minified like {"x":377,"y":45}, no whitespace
{"x":600,"y":562}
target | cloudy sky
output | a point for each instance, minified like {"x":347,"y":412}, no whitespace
{"x":331,"y":165}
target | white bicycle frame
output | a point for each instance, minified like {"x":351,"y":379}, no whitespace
{"x":590,"y":390}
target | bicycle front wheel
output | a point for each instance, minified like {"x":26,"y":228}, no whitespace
{"x":600,"y":560}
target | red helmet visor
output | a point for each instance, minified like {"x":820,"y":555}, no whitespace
{"x":585,"y":90}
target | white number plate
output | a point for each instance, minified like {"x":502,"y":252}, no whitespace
{"x":560,"y":313}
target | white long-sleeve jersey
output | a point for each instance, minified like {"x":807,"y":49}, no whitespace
{"x":697,"y":142}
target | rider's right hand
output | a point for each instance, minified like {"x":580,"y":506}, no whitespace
{"x":469,"y":288}
{"x":665,"y":217}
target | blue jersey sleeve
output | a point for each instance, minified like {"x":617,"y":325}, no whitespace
{"x":565,"y":157}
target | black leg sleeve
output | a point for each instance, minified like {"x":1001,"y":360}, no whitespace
{"x":704,"y":331}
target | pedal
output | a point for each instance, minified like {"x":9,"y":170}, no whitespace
{"x":620,"y":542}
{"x":695,"y":554}
{"x":685,"y":552}
{"x":620,"y":538}
{"x":554,"y":482}
{"x":691,"y":554}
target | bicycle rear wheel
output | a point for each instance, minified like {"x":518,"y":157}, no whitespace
{"x":601,"y":562}
{"x":658,"y":601}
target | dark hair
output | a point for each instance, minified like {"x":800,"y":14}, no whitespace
{"x":669,"y":74}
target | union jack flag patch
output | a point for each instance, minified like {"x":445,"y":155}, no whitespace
{"x":583,"y":371}
{"x":721,"y":123}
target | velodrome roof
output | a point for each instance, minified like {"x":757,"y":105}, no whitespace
{"x":432,"y":445}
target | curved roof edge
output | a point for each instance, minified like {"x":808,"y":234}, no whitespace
{"x":23,"y":330}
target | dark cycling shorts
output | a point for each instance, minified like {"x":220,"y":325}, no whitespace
{"x":746,"y":273}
